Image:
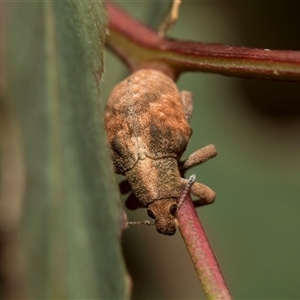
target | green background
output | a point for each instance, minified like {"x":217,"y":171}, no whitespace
{"x":254,"y":224}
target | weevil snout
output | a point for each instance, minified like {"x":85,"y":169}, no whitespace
{"x":163,"y":212}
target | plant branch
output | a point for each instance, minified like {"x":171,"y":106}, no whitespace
{"x":203,"y":258}
{"x":141,"y":47}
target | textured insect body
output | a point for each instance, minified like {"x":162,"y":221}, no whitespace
{"x":147,"y":125}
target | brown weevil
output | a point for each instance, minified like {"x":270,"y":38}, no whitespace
{"x":147,"y":125}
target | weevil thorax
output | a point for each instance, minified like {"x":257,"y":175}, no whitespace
{"x":163,"y":212}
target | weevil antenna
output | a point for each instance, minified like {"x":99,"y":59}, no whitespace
{"x":190,"y":182}
{"x":148,"y":223}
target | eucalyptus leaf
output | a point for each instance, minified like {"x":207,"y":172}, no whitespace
{"x":72,"y":214}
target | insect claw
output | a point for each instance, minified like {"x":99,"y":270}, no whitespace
{"x":188,"y":185}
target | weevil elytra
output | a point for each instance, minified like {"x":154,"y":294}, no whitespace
{"x":147,"y":125}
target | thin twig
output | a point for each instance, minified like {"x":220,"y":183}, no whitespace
{"x":204,"y":260}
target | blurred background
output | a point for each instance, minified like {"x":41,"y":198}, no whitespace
{"x":254,"y":224}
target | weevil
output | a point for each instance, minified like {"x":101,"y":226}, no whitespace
{"x":147,"y":123}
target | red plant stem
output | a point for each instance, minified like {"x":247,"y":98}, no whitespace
{"x":140,"y":47}
{"x":201,"y":253}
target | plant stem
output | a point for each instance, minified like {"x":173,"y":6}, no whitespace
{"x":201,"y":253}
{"x":141,"y":47}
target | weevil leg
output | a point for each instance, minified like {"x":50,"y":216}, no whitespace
{"x":132,"y":202}
{"x":198,"y":157}
{"x":187,"y":101}
{"x":205,"y":194}
{"x":124,"y":187}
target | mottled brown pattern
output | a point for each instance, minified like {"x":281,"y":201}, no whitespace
{"x":147,"y":126}
{"x":145,"y":117}
{"x":153,"y":179}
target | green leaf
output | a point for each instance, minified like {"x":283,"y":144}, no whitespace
{"x":71,"y":218}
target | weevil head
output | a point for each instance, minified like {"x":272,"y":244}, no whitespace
{"x":163,"y":212}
